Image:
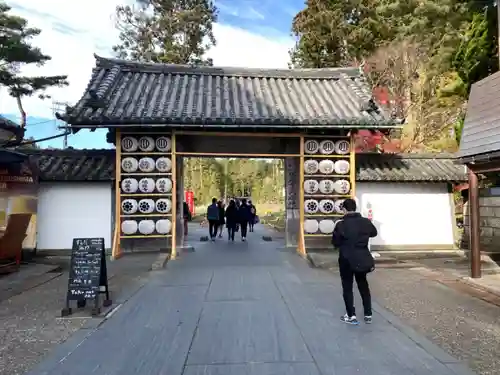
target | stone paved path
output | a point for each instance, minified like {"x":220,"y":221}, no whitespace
{"x":244,"y":308}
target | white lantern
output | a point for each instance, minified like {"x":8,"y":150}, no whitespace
{"x":311,"y":146}
{"x":163,"y":144}
{"x":163,"y":205}
{"x":311,"y":226}
{"x":326,"y":206}
{"x":342,"y":186}
{"x":146,"y":227}
{"x":327,"y":147}
{"x":339,"y":208}
{"x":311,"y":186}
{"x":146,"y":165}
{"x":129,"y":185}
{"x":341,"y":167}
{"x":311,"y":206}
{"x":163,"y":226}
{"x":147,"y":185}
{"x":326,"y":166}
{"x":326,"y":187}
{"x":146,"y":144}
{"x":129,"y":227}
{"x":129,"y":206}
{"x":129,"y":144}
{"x":326,"y":226}
{"x":164,"y":185}
{"x":311,"y":166}
{"x":163,"y":164}
{"x":130,"y":165}
{"x":342,"y":147}
{"x":146,"y":206}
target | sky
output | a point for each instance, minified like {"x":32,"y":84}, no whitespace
{"x":249,"y":33}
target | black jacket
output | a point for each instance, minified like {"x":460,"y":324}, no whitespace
{"x":244,"y":213}
{"x":231,"y":215}
{"x":351,"y":236}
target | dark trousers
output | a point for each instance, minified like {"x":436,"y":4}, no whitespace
{"x":347,"y":276}
{"x":231,"y":229}
{"x":251,"y":224}
{"x":244,"y":228}
{"x":213,"y":225}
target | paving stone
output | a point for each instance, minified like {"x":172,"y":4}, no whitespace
{"x":245,"y":308}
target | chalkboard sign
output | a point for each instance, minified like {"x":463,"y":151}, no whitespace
{"x":87,"y":274}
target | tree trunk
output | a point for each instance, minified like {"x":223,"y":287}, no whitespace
{"x":21,"y":111}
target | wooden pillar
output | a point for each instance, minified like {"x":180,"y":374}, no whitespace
{"x":474,"y":246}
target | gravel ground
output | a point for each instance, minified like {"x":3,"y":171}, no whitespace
{"x":30,"y":323}
{"x":29,"y":327}
{"x":466,"y":327}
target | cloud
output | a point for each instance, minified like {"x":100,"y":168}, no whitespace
{"x":73,"y":31}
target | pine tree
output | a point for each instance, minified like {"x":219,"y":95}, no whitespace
{"x":16,"y":52}
{"x":166,"y":31}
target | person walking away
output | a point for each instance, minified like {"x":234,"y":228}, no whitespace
{"x":186,"y":213}
{"x":222,"y":221}
{"x":253,"y":215}
{"x":231,"y":220}
{"x":351,"y":236}
{"x":244,"y":218}
{"x":213,"y":218}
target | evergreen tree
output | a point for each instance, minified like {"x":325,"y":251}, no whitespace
{"x":166,"y":31}
{"x":16,"y":52}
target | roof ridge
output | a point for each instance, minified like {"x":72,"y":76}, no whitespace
{"x":146,"y":67}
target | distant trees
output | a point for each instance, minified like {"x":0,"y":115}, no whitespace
{"x":263,"y":180}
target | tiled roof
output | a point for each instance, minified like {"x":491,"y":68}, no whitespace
{"x":98,"y":165}
{"x":129,"y":93}
{"x":409,"y":167}
{"x":74,"y":165}
{"x":11,"y":126}
{"x":481,"y":131}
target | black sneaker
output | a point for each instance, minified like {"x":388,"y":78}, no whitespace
{"x":349,"y":320}
{"x":368,"y":319}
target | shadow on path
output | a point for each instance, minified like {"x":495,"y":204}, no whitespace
{"x":244,"y":308}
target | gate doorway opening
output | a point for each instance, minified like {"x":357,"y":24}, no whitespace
{"x":261,"y":181}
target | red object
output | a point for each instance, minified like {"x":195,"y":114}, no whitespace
{"x":189,"y":196}
{"x":370,"y":214}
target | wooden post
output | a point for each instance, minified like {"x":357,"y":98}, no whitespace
{"x":474,"y":244}
{"x":173,"y":254}
{"x":116,"y":250}
{"x":301,"y":245}
{"x":352,"y":171}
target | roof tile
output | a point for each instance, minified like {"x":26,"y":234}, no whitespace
{"x":99,"y":165}
{"x":123,"y":92}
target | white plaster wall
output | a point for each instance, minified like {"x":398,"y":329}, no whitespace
{"x":71,"y":210}
{"x":408,"y":214}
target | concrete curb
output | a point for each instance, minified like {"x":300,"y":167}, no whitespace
{"x":160,"y":261}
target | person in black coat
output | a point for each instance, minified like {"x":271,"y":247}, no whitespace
{"x":231,"y":219}
{"x":245,"y":216}
{"x":351,"y":236}
{"x":253,"y":215}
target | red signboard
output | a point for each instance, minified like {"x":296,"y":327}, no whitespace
{"x":189,"y":196}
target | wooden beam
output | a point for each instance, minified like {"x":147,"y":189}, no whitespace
{"x":301,"y":245}
{"x":173,"y":254}
{"x":474,"y":245}
{"x":116,"y":250}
